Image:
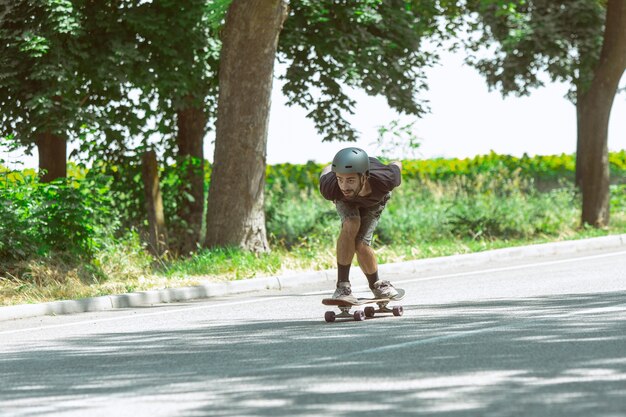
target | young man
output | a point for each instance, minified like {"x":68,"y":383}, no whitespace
{"x":360,"y":187}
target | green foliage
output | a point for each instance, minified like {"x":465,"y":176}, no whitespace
{"x":508,"y":207}
{"x":179,"y":49}
{"x":549,"y":169}
{"x":374,"y":45}
{"x":541,"y":167}
{"x":232,"y":262}
{"x":526,"y":37}
{"x":282,"y":176}
{"x":66,"y":215}
{"x":167,"y":55}
{"x":18,"y":235}
{"x":127,"y":191}
{"x":81,"y":237}
{"x":106,"y":74}
{"x":416,"y":213}
{"x":215,"y":12}
{"x":298,"y":217}
{"x":483,"y":206}
{"x":41,"y":81}
{"x":398,"y":141}
{"x":486,"y":197}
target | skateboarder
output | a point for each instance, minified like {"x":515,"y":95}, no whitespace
{"x":360,"y":187}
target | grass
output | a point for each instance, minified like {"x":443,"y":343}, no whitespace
{"x":424,"y":219}
{"x":127,"y":274}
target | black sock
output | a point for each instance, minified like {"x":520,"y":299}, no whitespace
{"x":343,"y":273}
{"x":372,"y":278}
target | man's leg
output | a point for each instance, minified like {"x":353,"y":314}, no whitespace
{"x":346,"y":246}
{"x":350,"y":224}
{"x":366,"y":255}
{"x":364,"y":252}
{"x":367,"y":261}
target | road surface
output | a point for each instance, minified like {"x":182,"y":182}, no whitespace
{"x":536,"y":337}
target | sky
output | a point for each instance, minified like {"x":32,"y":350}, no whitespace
{"x":466,"y":119}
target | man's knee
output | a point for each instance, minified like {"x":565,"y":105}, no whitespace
{"x":351,"y":226}
{"x":362,"y":247}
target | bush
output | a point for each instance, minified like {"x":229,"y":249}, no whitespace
{"x":415,"y":213}
{"x":499,"y":205}
{"x":64,"y":215}
{"x":18,"y":227}
{"x":298,"y":217}
{"x":486,"y":197}
{"x":508,"y":206}
{"x":550,"y":169}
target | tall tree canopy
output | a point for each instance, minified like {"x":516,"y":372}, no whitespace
{"x":582,"y":42}
{"x":43,"y":90}
{"x":108,"y":75}
{"x":180,"y":46}
{"x":377,"y":46}
{"x":63,"y":64}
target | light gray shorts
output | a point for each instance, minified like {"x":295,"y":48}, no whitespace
{"x":369,"y":217}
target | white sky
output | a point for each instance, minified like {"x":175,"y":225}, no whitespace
{"x":465,"y":120}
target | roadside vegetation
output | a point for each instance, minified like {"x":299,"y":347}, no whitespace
{"x":85,"y":236}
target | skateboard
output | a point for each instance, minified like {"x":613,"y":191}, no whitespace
{"x":369,"y":311}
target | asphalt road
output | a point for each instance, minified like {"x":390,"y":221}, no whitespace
{"x":537,"y":337}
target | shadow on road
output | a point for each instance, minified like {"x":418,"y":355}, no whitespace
{"x":551,"y":356}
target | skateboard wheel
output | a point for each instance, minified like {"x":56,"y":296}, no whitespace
{"x":329,"y":316}
{"x":359,"y":315}
{"x":398,"y":311}
{"x":370,"y":311}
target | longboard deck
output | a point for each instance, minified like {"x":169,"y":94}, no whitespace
{"x":363,"y":301}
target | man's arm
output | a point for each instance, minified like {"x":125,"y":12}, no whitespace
{"x":326,"y":170}
{"x":328,"y":184}
{"x":399,"y":165}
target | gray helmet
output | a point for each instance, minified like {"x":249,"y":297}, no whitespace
{"x":351,"y":161}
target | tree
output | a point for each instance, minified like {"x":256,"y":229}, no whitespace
{"x":565,"y":39}
{"x":250,"y":39}
{"x":131,"y":65}
{"x":180,"y":50}
{"x":594,"y":105}
{"x":373,"y":44}
{"x":42,"y":92}
{"x":381,"y":47}
{"x":59,"y":73}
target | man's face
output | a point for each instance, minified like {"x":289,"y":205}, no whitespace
{"x":349,"y":184}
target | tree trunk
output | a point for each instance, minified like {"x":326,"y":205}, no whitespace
{"x":236,"y":214}
{"x":579,"y":162}
{"x":154,"y":203}
{"x":191,"y":127}
{"x":52,"y":156}
{"x":595,"y":108}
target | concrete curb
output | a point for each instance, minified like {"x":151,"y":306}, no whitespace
{"x":146,"y":298}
